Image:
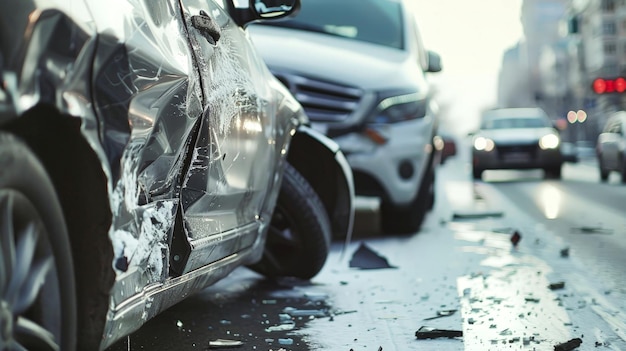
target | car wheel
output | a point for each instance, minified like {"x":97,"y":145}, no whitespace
{"x":408,"y":219}
{"x":298,"y":240}
{"x":37,"y":289}
{"x":431,"y":192}
{"x":553,"y":172}
{"x":604,"y":174}
{"x":477,"y":173}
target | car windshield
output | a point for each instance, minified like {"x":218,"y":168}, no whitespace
{"x":521,"y":122}
{"x":373,"y":21}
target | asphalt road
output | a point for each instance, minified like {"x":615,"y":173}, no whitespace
{"x":563,"y":281}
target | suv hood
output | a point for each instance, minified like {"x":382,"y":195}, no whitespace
{"x":340,"y":60}
{"x":517,"y":135}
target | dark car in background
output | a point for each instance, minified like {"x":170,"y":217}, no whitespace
{"x":359,"y":68}
{"x":516,"y":138}
{"x":611,"y":147}
{"x":146,"y":151}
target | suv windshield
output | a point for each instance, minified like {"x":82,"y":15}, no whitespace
{"x":372,"y":21}
{"x":507,"y":123}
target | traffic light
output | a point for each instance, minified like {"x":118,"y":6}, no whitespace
{"x":605,"y":86}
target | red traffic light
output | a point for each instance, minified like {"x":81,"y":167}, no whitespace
{"x":603,"y":86}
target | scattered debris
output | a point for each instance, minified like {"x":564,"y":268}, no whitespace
{"x":506,"y":331}
{"x":366,"y":258}
{"x":433,"y":333}
{"x":442,"y":313}
{"x":568,"y":346}
{"x":285,"y":341}
{"x":224,"y":343}
{"x":557,"y":286}
{"x":281,"y":327}
{"x":337,"y":313}
{"x":592,"y":230}
{"x":304,"y":313}
{"x":515,"y":238}
{"x":532,"y":299}
{"x":505,"y":230}
{"x":476,"y":215}
{"x":565,"y":252}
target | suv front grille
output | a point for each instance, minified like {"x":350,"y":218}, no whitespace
{"x":322,"y":101}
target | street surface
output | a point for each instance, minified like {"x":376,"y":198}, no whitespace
{"x":564,"y":281}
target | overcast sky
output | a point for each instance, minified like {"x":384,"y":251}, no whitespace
{"x":469,"y":35}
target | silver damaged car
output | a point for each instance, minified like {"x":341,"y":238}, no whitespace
{"x":145,"y":152}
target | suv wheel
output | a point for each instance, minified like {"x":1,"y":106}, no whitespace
{"x":477,"y":173}
{"x":408,"y":219}
{"x":604,"y":173}
{"x":553,"y":172}
{"x":37,"y":289}
{"x":299,"y":236}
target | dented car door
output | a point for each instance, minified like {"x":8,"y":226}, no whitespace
{"x":234,"y":156}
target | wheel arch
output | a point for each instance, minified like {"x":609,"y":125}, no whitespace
{"x":319,"y":160}
{"x":81,"y":186}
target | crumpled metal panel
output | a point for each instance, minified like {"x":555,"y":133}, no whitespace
{"x":148,"y":99}
{"x":189,"y":133}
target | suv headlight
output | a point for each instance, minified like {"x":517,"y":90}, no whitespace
{"x":484,"y":144}
{"x":394,"y":108}
{"x":549,"y":141}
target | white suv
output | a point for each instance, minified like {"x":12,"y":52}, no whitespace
{"x":358,"y":68}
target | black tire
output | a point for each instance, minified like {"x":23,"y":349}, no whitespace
{"x":34,"y":249}
{"x":298,"y":240}
{"x":553,"y":172}
{"x":622,"y":169}
{"x":477,"y":173}
{"x":604,"y":173}
{"x":409,"y":219}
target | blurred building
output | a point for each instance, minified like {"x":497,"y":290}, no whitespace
{"x":514,"y":89}
{"x":567,"y":45}
{"x":522,"y":79}
{"x":541,"y":21}
{"x":597,"y":28}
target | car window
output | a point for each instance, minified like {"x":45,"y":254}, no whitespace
{"x":374,"y":21}
{"x":506,"y":123}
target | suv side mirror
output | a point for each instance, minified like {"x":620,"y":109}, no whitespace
{"x":434,"y":62}
{"x":258,"y":10}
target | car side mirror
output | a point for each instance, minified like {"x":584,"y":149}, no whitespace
{"x":434,"y":61}
{"x":261,"y":10}
{"x":274,"y":8}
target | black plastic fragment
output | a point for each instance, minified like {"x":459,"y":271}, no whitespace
{"x":476,"y":215}
{"x":433,"y":333}
{"x":557,"y":286}
{"x":366,"y":258}
{"x":568,"y":346}
{"x":515,"y":238}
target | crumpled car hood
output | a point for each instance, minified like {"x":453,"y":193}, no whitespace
{"x":340,"y":60}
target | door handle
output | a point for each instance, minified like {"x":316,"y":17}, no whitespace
{"x":207,"y":27}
